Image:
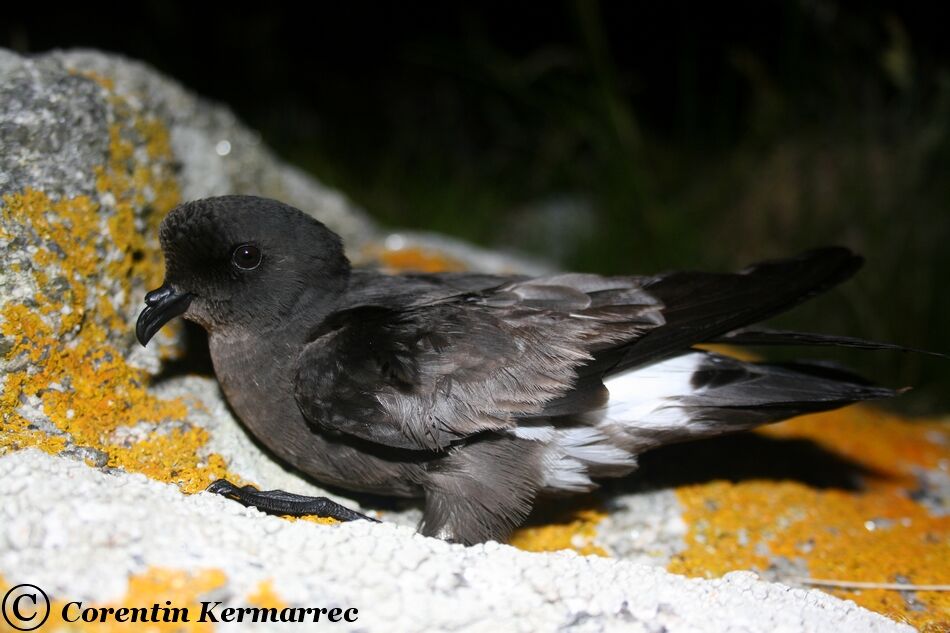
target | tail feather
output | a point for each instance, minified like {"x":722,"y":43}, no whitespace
{"x":687,"y":397}
{"x":704,"y":394}
{"x":699,"y":307}
{"x":770,"y":336}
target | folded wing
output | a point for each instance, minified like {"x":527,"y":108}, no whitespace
{"x":429,"y":373}
{"x":423,"y":377}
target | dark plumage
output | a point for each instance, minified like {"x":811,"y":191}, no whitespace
{"x":477,"y":392}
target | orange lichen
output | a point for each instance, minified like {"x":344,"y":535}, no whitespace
{"x":154,"y":586}
{"x":180,"y":588}
{"x":134,"y":185}
{"x":879,"y":534}
{"x":174,"y":457}
{"x":86,"y":260}
{"x":266,"y":597}
{"x":574,"y":528}
{"x":166,"y":589}
{"x":173,"y":584}
{"x":889,"y":445}
{"x":417,"y":260}
{"x":106,"y":82}
{"x":312,"y":519}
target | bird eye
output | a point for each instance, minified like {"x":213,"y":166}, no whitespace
{"x":246,"y":257}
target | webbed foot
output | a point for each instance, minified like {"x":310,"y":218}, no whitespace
{"x":285,"y":503}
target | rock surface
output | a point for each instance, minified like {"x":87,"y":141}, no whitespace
{"x":95,"y":150}
{"x":93,"y":524}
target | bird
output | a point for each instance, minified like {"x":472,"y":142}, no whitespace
{"x":479,"y":394}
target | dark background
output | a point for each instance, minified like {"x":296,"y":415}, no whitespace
{"x":614,"y":137}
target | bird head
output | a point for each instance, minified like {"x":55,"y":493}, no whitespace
{"x":242,"y":261}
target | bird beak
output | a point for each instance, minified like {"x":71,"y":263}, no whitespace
{"x":161,"y":306}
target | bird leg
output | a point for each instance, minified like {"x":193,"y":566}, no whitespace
{"x":482,"y":491}
{"x":285,"y":503}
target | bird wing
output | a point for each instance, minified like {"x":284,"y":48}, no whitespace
{"x":427,"y":374}
{"x":423,"y":377}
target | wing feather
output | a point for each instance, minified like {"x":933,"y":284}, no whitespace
{"x":423,"y":362}
{"x":424,"y":377}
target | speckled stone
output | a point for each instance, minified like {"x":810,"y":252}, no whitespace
{"x":99,"y":528}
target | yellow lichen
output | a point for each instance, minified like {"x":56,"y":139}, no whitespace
{"x":106,"y":82}
{"x":154,"y":586}
{"x":312,"y":519}
{"x":552,"y":529}
{"x":77,"y":379}
{"x":892,"y":446}
{"x":180,"y":588}
{"x":878,"y":534}
{"x":266,"y":597}
{"x":86,"y":388}
{"x":173,"y":457}
{"x":416,"y":260}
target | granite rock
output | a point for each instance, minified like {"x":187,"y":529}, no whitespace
{"x":95,"y":525}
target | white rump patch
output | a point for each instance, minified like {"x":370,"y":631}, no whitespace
{"x":648,"y":397}
{"x":643,"y":402}
{"x":644,"y":392}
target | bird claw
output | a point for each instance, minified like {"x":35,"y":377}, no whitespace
{"x":285,"y":503}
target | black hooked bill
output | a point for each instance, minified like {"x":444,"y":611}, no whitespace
{"x":161,"y":306}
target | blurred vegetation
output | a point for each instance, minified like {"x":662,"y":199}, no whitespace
{"x":611,"y":137}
